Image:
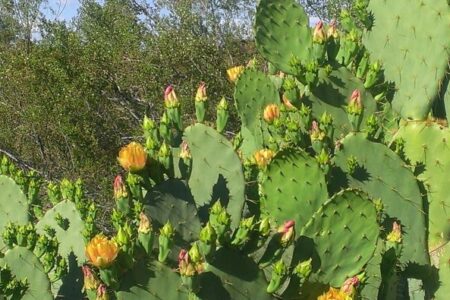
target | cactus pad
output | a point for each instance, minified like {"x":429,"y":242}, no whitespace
{"x":13,"y":204}
{"x":71,"y":238}
{"x":429,"y":144}
{"x":171,"y":200}
{"x":213,"y":157}
{"x":345,"y":233}
{"x":404,"y":35}
{"x":25,"y":265}
{"x":253,"y":92}
{"x":282,"y":33}
{"x":383,"y":175}
{"x":294,"y":188}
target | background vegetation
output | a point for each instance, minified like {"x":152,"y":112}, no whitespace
{"x":69,"y":89}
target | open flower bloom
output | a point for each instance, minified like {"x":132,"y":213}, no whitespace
{"x":132,"y":157}
{"x":334,"y":294}
{"x":101,"y":251}
{"x":233,"y":73}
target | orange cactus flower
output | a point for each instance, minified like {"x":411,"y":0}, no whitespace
{"x":263,"y":157}
{"x":101,"y":251}
{"x":233,"y":73}
{"x":334,"y":294}
{"x":271,"y":112}
{"x":132,"y":157}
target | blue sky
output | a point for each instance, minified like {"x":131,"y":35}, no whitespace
{"x":63,"y":9}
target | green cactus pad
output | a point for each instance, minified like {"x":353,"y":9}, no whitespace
{"x":152,"y":280}
{"x":345,"y":233}
{"x":253,"y":92}
{"x":213,"y":157}
{"x":429,"y":144}
{"x":444,"y":274}
{"x":172,"y":201}
{"x":233,"y":276}
{"x":372,"y":272}
{"x":70,"y":239}
{"x":25,"y":265}
{"x":383,"y":175}
{"x":282,"y":33}
{"x":13,"y":204}
{"x":294,"y":188}
{"x":412,"y":40}
{"x":333,"y":94}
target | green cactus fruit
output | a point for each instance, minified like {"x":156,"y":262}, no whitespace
{"x":345,"y":232}
{"x":282,"y":34}
{"x":24,"y":265}
{"x":333,"y":94}
{"x":427,"y":145}
{"x":414,"y":54}
{"x":383,"y":175}
{"x":253,"y":92}
{"x":70,"y":238}
{"x":172,"y":201}
{"x":210,"y":175}
{"x":294,"y":188}
{"x":13,"y":204}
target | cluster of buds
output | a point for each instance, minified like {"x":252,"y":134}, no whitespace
{"x":190,"y":265}
{"x":287,"y":232}
{"x":54,"y":193}
{"x":279,"y":273}
{"x":263,"y":157}
{"x":151,"y":135}
{"x":21,"y":235}
{"x":10,"y":286}
{"x":234,"y":73}
{"x":220,"y":220}
{"x":166,"y":235}
{"x":243,"y":232}
{"x":207,"y":240}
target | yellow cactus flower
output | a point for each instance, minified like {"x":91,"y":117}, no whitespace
{"x":132,"y":157}
{"x":101,"y":251}
{"x":271,"y":112}
{"x":233,"y":73}
{"x":263,"y":157}
{"x":334,"y":294}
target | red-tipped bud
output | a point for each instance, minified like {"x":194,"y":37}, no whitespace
{"x":287,"y":232}
{"x":90,"y":280}
{"x":120,"y":190}
{"x":319,"y":34}
{"x":170,"y":98}
{"x":395,"y":235}
{"x":355,"y":104}
{"x":102,"y":293}
{"x":332,"y":30}
{"x":350,"y":285}
{"x":201,"y":96}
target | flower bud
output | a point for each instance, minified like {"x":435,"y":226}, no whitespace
{"x":315,"y":133}
{"x":145,"y":225}
{"x":167,"y":230}
{"x":263,"y":157}
{"x":271,"y":113}
{"x":304,"y":269}
{"x":350,"y":285}
{"x":279,"y":272}
{"x":170,"y":98}
{"x":234,"y":73}
{"x":264,"y":226}
{"x":395,"y":235}
{"x":148,"y":124}
{"x":194,"y":253}
{"x":355,"y":105}
{"x":185,"y":153}
{"x":120,"y":190}
{"x":319,"y":34}
{"x":132,"y":157}
{"x":91,"y":281}
{"x":208,"y":234}
{"x":102,"y":293}
{"x":287,"y":232}
{"x":201,"y":96}
{"x":332,"y":31}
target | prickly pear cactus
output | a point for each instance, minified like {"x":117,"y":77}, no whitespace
{"x":383,"y":175}
{"x":24,"y":265}
{"x":207,"y":146}
{"x":13,"y":204}
{"x":344,"y":232}
{"x":403,"y":36}
{"x":65,"y":219}
{"x":293,"y":179}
